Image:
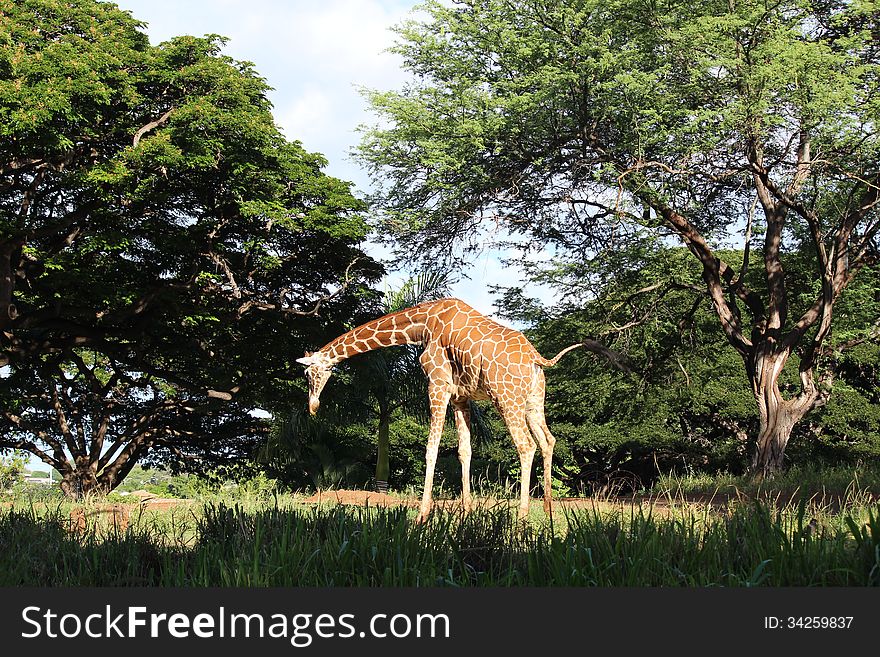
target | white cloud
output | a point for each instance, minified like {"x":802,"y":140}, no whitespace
{"x":308,"y":117}
{"x":349,"y":37}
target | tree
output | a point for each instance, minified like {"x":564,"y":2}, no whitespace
{"x":92,"y":420}
{"x":160,"y":240}
{"x":12,"y":468}
{"x":682,"y":403}
{"x":590,"y":126}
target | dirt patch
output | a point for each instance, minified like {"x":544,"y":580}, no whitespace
{"x":141,"y":495}
{"x":356,"y":498}
{"x":118,"y":515}
{"x":163,"y":503}
{"x":373,"y":498}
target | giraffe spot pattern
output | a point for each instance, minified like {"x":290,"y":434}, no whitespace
{"x":467,"y":356}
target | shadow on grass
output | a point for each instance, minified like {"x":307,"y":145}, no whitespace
{"x":747,"y":545}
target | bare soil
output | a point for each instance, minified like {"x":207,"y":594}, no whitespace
{"x":119,"y":514}
{"x":372,"y":498}
{"x":153,"y":502}
{"x":356,"y":498}
{"x":163,"y":503}
{"x":658,"y":503}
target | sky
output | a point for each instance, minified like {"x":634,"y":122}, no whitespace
{"x":316,"y":55}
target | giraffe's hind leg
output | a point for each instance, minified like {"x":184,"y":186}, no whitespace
{"x":546,"y":442}
{"x":525,"y":446}
{"x":538,"y":426}
{"x":515,"y":419}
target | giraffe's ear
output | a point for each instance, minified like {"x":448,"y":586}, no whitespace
{"x":306,"y":360}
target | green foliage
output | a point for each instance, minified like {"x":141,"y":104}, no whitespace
{"x":543,"y":110}
{"x":12,"y":467}
{"x":310,"y":453}
{"x":152,"y":480}
{"x":688,"y":406}
{"x":156,"y":224}
{"x":597,"y":130}
{"x":837,"y":485}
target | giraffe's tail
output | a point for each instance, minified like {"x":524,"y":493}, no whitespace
{"x":550,"y":362}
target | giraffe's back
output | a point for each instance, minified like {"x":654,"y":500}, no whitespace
{"x":457,"y":324}
{"x":486,"y":356}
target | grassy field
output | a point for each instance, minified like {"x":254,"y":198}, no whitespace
{"x":829,"y":537}
{"x":833,"y":485}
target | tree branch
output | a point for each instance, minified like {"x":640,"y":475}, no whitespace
{"x":314,"y":312}
{"x":21,"y":425}
{"x":617,"y":359}
{"x":152,"y":125}
{"x":62,"y":423}
{"x":714,"y":270}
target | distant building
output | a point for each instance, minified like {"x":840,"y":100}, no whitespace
{"x":46,"y":481}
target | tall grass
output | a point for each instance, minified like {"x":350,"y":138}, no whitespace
{"x":841,"y":485}
{"x":229,"y":545}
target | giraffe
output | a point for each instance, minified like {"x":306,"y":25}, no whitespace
{"x":467,"y":356}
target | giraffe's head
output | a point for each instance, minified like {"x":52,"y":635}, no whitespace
{"x":318,"y":370}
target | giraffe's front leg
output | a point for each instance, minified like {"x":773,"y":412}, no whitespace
{"x":439,"y":398}
{"x":463,"y":426}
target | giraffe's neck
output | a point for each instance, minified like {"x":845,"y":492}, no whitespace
{"x":404,"y":327}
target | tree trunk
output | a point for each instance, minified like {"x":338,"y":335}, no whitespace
{"x":778,"y":416}
{"x":7,"y":285}
{"x":383,"y":464}
{"x":113,"y":475}
{"x":80,"y":483}
{"x":777,"y":422}
{"x":89,"y":477}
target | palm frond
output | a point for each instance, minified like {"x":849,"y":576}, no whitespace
{"x":427,"y":285}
